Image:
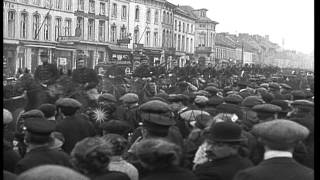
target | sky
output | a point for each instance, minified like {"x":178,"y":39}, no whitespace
{"x":288,"y":20}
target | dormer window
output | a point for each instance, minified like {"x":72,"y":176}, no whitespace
{"x":203,"y":14}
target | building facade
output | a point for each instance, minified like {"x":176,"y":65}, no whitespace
{"x":31,"y":27}
{"x":184,"y":35}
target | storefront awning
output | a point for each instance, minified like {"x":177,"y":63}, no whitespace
{"x":117,"y":49}
{"x":65,"y":48}
{"x":39,"y":46}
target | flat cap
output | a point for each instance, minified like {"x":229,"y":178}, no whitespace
{"x":178,"y":97}
{"x":68,"y":102}
{"x":280,"y":133}
{"x":264,"y":85}
{"x":32,"y":113}
{"x":302,"y":103}
{"x":130,"y":98}
{"x":107,"y":97}
{"x":242,"y":83}
{"x":283,"y":104}
{"x":202,"y":93}
{"x":285,"y":86}
{"x":245,"y":93}
{"x":267,"y":97}
{"x":116,"y":127}
{"x":155,"y":106}
{"x":212,"y":90}
{"x":298,"y":94}
{"x":7,"y":116}
{"x":232,"y":92}
{"x":213,"y":84}
{"x":233,"y":98}
{"x":267,"y":108}
{"x":251,"y":101}
{"x":39,"y":126}
{"x":215,"y":100}
{"x":274,"y":85}
{"x":201,"y":100}
{"x":230,"y":108}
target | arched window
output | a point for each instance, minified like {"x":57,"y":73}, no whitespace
{"x":11,"y":23}
{"x":46,"y":28}
{"x":58,"y":27}
{"x":137,"y":13}
{"x":113,"y":33}
{"x":156,"y":17}
{"x":164,"y":17}
{"x":23,"y":25}
{"x":168,"y":18}
{"x":163,"y":38}
{"x":36,"y":25}
{"x":123,"y":32}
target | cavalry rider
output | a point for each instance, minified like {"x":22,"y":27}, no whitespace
{"x":85,"y":76}
{"x":46,"y":73}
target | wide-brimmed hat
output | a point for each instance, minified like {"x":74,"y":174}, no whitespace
{"x":225,"y":132}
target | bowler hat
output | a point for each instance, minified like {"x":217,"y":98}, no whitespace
{"x":225,"y":132}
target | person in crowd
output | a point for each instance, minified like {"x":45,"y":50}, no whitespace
{"x":91,"y":156}
{"x":115,"y":126}
{"x":266,"y":112}
{"x":279,"y":138}
{"x":8,"y":133}
{"x":117,"y":163}
{"x":49,"y":111}
{"x":74,"y":126}
{"x":298,"y":95}
{"x":85,"y":76}
{"x":161,"y":160}
{"x":37,"y":138}
{"x":222,"y":153}
{"x":286,"y":91}
{"x":285,"y":108}
{"x":250,"y":117}
{"x":128,"y":111}
{"x":48,"y":172}
{"x":46,"y":73}
{"x":233,"y":99}
{"x":274,"y":88}
{"x":10,"y":157}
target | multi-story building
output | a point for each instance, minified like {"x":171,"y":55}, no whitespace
{"x":31,"y":27}
{"x":184,"y":35}
{"x":146,"y":29}
{"x":225,"y":48}
{"x":205,"y":30}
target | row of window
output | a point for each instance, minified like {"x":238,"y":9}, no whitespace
{"x":36,"y":23}
{"x":177,"y":27}
{"x":208,"y":26}
{"x":148,"y":15}
{"x":224,"y":54}
{"x":91,"y":29}
{"x":92,"y":7}
{"x":54,"y":4}
{"x":183,"y":43}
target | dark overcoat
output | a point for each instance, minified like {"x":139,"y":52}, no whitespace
{"x":277,"y":169}
{"x":170,"y":173}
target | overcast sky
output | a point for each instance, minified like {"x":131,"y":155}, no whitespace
{"x":291,"y":20}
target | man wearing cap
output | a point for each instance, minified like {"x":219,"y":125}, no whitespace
{"x":250,"y":117}
{"x":128,"y":111}
{"x":73,"y":126}
{"x":223,"y":142}
{"x":46,"y":73}
{"x":279,"y":138}
{"x":286,"y":91}
{"x":37,"y":137}
{"x":275,"y":90}
{"x":266,"y":112}
{"x":87,"y":77}
{"x":285,"y":108}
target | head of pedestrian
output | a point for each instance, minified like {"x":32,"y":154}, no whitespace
{"x":81,"y":62}
{"x":130,"y":100}
{"x":44,"y":57}
{"x":68,"y":106}
{"x":266,"y":112}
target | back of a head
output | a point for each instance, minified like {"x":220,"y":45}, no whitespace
{"x":50,"y":172}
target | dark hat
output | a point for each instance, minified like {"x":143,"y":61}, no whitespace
{"x":230,"y":108}
{"x":34,"y":113}
{"x":298,"y":94}
{"x":233,"y":99}
{"x":107,"y":97}
{"x":215,"y":101}
{"x":227,"y":89}
{"x":202,"y":93}
{"x":68,"y":102}
{"x":267,"y":97}
{"x":242,"y":83}
{"x":39,"y":126}
{"x":178,"y":98}
{"x":225,"y":132}
{"x":44,"y":54}
{"x":266,"y":108}
{"x":280,"y":134}
{"x":283,"y":104}
{"x":245,"y":93}
{"x":129,"y":98}
{"x":48,"y":109}
{"x":285,"y":86}
{"x":7,"y":116}
{"x":275,"y":86}
{"x":116,"y":127}
{"x":212,"y":90}
{"x":264,"y":85}
{"x":251,"y":101}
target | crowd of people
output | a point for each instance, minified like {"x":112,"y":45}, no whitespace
{"x":213,"y":131}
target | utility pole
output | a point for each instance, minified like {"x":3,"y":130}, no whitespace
{"x":242,"y":52}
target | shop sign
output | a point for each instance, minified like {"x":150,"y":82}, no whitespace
{"x":63,"y":61}
{"x":124,"y":41}
{"x":68,"y":38}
